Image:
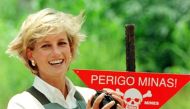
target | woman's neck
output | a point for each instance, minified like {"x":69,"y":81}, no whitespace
{"x":59,"y":83}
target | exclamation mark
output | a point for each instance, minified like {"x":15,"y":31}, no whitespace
{"x":175,"y":82}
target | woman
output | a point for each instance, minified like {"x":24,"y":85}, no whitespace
{"x":47,"y":43}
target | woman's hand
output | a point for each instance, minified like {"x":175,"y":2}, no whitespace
{"x":97,"y":101}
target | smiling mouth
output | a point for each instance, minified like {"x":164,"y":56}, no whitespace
{"x":55,"y":62}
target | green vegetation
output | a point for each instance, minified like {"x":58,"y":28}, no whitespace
{"x":162,"y":39}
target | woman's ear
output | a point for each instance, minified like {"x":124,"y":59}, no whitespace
{"x":72,"y":50}
{"x":29,"y":54}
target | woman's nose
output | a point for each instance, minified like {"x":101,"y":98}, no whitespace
{"x":56,"y":51}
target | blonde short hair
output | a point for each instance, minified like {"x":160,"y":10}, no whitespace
{"x":43,"y":23}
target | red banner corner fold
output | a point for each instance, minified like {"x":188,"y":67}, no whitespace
{"x":140,"y":90}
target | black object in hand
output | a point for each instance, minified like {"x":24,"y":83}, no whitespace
{"x":107,"y":98}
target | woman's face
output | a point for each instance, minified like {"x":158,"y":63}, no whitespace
{"x":52,"y":55}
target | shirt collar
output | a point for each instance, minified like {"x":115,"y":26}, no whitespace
{"x":54,"y":95}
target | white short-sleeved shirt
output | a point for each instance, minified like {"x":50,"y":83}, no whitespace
{"x":25,"y":100}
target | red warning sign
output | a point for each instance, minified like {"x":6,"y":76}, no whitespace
{"x":139,"y":90}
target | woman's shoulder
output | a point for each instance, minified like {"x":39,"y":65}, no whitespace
{"x":87,"y":93}
{"x":24,"y":100}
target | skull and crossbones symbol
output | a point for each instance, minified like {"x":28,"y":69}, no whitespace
{"x":133,"y":97}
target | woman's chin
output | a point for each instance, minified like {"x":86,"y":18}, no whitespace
{"x":59,"y":72}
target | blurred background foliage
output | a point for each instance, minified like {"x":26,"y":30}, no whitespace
{"x":162,"y":39}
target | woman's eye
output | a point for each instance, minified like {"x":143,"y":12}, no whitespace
{"x":45,"y":46}
{"x":62,"y":43}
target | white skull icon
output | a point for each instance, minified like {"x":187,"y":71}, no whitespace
{"x":133,"y":97}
